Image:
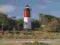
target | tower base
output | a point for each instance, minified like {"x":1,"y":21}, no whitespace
{"x":27,"y":23}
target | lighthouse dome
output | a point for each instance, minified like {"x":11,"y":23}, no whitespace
{"x":27,"y":6}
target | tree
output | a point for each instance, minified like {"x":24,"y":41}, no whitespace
{"x":35,"y":24}
{"x":3,"y":18}
{"x":45,"y":19}
{"x":20,"y":23}
{"x":50,"y":22}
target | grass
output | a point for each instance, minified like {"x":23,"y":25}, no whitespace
{"x":31,"y":35}
{"x":35,"y":43}
{"x":11,"y":44}
{"x":55,"y":44}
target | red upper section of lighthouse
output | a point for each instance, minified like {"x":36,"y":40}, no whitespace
{"x":27,"y":11}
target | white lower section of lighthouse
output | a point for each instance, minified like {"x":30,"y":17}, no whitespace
{"x":27,"y":23}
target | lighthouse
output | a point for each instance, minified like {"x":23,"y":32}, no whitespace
{"x":27,"y":17}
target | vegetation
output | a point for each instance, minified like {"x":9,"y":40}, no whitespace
{"x":51,"y":23}
{"x":35,"y":24}
{"x":35,"y":43}
{"x":47,"y":27}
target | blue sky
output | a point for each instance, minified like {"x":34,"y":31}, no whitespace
{"x":16,"y":7}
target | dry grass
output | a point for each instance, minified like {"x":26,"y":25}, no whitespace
{"x":36,"y":43}
{"x":31,"y":35}
{"x":11,"y":44}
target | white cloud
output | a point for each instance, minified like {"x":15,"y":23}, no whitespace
{"x":7,"y":8}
